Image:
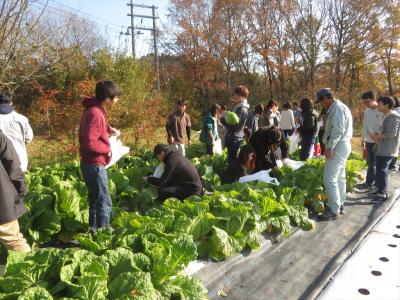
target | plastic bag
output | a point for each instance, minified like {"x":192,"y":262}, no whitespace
{"x":117,"y":150}
{"x":294,"y":139}
{"x":159,"y":171}
{"x":260,"y":176}
{"x":217,"y":149}
{"x":293,"y":164}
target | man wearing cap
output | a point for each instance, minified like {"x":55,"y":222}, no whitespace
{"x":180,"y":178}
{"x":179,"y":122}
{"x":337,"y":136}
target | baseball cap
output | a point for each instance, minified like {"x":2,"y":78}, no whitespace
{"x":323,"y":92}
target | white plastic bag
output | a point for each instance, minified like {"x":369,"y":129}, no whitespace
{"x":260,"y":176}
{"x":117,"y":150}
{"x":159,"y":171}
{"x":293,"y":164}
{"x":217,"y":149}
{"x":294,"y":139}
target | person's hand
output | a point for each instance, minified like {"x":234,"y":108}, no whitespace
{"x":375,"y":137}
{"x":190,"y":143}
{"x":114,"y":131}
{"x":146,"y":178}
{"x":328,"y":153}
{"x":171,"y":140}
{"x":362,"y":145}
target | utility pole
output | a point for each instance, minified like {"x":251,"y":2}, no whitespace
{"x":154,"y":30}
{"x":132,"y":29}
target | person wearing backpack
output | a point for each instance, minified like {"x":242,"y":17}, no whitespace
{"x":209,"y":130}
{"x":308,"y":128}
{"x":235,"y":132}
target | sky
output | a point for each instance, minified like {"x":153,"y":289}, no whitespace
{"x":111,"y":17}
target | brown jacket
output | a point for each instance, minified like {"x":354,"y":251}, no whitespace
{"x":176,"y":125}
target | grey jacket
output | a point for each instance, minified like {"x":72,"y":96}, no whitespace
{"x":339,"y":125}
{"x":389,"y":145}
{"x":236,"y":132}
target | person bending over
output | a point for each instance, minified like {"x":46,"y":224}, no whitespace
{"x":266,"y":142}
{"x":242,"y":166}
{"x":180,"y":178}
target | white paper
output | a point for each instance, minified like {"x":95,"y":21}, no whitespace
{"x":117,"y":150}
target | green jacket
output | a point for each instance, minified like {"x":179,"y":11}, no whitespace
{"x":208,"y":124}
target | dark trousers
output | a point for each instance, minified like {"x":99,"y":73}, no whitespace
{"x":371,"y":161}
{"x":233,"y":147}
{"x":382,"y":170}
{"x":287,"y":133}
{"x":321,"y":142}
{"x":100,"y":203}
{"x":307,"y":143}
{"x":179,"y":192}
{"x":209,"y":149}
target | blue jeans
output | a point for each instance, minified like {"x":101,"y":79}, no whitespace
{"x":371,"y":161}
{"x":307,"y":143}
{"x":382,"y":170}
{"x":233,"y":147}
{"x":100,"y":203}
{"x":335,"y":176}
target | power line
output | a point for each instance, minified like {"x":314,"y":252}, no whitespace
{"x":85,"y":13}
{"x":44,"y":6}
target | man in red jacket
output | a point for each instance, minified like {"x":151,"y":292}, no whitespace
{"x":95,"y":151}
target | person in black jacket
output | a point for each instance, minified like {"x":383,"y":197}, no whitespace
{"x":266,"y":142}
{"x":242,"y":166}
{"x":180,"y":178}
{"x":308,"y":128}
{"x":12,"y":191}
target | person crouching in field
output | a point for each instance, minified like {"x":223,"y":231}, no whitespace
{"x":270,"y":146}
{"x":244,"y":165}
{"x":12,"y":190}
{"x":95,"y":151}
{"x":180,"y":178}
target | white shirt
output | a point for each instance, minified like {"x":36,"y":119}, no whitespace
{"x":372,"y":122}
{"x":16,"y":127}
{"x":287,"y":120}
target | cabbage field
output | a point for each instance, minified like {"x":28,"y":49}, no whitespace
{"x":144,"y":254}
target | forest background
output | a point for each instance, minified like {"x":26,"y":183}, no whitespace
{"x":281,"y":49}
